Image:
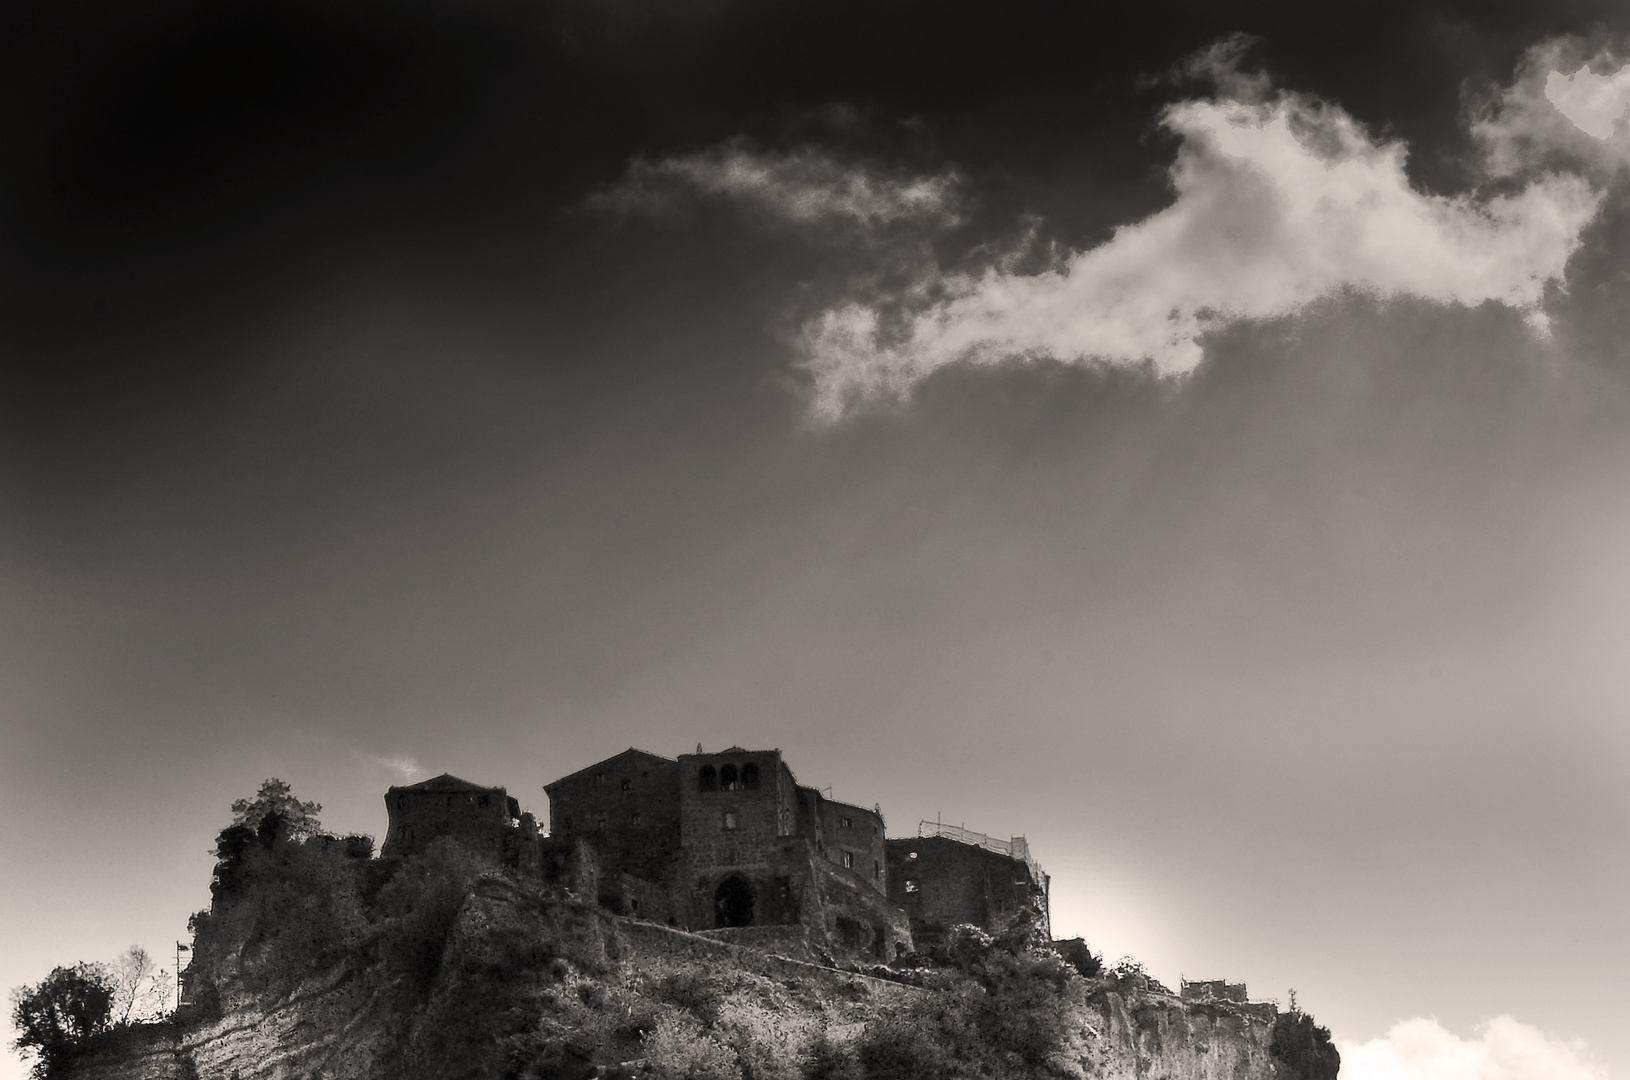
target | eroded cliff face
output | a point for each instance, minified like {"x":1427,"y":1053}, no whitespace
{"x":533,"y":985}
{"x":1154,"y":1035}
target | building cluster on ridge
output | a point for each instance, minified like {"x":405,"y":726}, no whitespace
{"x":731,"y":843}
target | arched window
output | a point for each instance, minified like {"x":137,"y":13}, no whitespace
{"x":727,"y":778}
{"x":708,"y":780}
{"x":749,"y":776}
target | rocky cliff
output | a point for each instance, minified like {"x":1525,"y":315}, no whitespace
{"x":488,"y":976}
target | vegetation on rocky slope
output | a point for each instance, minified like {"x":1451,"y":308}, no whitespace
{"x":444,"y":966}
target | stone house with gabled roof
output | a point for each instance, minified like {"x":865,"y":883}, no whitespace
{"x":627,"y":808}
{"x":486,"y":820}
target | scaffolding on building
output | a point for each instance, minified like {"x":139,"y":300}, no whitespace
{"x":1015,"y":847}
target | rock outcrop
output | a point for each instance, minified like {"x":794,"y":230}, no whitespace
{"x":516,"y":981}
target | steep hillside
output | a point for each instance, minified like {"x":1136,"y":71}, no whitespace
{"x":319,"y":964}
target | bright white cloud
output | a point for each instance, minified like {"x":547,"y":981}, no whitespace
{"x":1278,"y":204}
{"x":1504,"y":1049}
{"x":1547,"y":114}
{"x":1594,"y":103}
{"x":806,"y":188}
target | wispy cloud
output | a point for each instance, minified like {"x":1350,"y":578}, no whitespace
{"x":402,"y":766}
{"x":1279,"y":202}
{"x":806,"y":187}
{"x":1568,"y":102}
{"x":1504,"y":1049}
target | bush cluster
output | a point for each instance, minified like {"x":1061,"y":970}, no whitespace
{"x":1304,"y":1047}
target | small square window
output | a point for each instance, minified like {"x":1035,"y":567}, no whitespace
{"x":599,"y":779}
{"x":845,"y":823}
{"x":628,"y":785}
{"x":635,"y":819}
{"x":911,"y":886}
{"x":911,"y":854}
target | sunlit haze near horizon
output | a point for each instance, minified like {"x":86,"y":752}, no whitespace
{"x":1197,"y":441}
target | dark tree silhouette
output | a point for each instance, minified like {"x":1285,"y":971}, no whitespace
{"x":56,"y":1018}
{"x":274,"y":797}
{"x":1304,"y":1047}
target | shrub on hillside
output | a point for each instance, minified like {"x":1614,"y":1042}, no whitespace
{"x":767,"y":1041}
{"x":1075,"y":952}
{"x":1004,"y":1010}
{"x":678,"y":1049}
{"x":307,"y":913}
{"x":695,"y":990}
{"x":418,"y":908}
{"x":1304,"y":1047}
{"x":830,"y":1060}
{"x":932,"y":1038}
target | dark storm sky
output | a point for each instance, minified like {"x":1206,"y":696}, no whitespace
{"x":397,"y":388}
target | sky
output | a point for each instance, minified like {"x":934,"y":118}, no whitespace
{"x":1194,"y":437}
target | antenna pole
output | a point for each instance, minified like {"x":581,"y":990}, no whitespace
{"x":179,"y":949}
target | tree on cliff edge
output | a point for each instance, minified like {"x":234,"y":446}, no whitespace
{"x":1304,"y":1047}
{"x":274,"y":797}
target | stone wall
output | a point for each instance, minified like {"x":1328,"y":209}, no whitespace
{"x":857,"y":921}
{"x":571,"y":863}
{"x":855,"y":840}
{"x":940,"y":883}
{"x":480,"y":818}
{"x":730,"y":839}
{"x":628,"y":807}
{"x":1214,"y":990}
{"x":729,"y":823}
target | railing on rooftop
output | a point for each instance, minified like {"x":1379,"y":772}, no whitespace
{"x":1014,"y":848}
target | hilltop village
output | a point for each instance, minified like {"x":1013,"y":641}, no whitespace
{"x":702,"y":917}
{"x":731,"y":843}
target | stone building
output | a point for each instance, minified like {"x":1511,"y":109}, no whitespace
{"x":1213,"y":990}
{"x":731,"y":840}
{"x":627,"y":809}
{"x":485,"y":820}
{"x":947,"y":875}
{"x":731,"y":843}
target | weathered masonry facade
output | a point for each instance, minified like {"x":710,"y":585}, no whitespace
{"x":485,"y":820}
{"x":731,"y":843}
{"x":946,"y":876}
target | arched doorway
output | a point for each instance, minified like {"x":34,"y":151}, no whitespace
{"x":733,"y":902}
